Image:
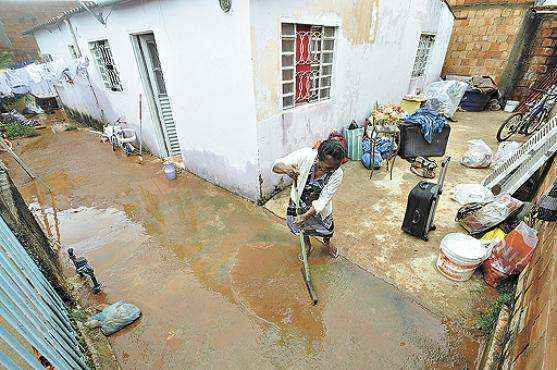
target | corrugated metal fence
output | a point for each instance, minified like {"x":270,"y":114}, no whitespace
{"x":33,"y":317}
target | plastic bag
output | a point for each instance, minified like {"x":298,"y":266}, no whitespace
{"x":479,"y":154}
{"x":478,"y":217}
{"x":493,"y":237}
{"x":445,"y":96}
{"x":511,"y":255}
{"x":471,"y":193}
{"x":505,"y":150}
{"x":115,"y":317}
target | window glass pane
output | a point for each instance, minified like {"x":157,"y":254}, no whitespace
{"x":288,"y":29}
{"x":288,"y":101}
{"x":288,"y":60}
{"x":328,"y":44}
{"x":288,"y":88}
{"x":327,"y":57}
{"x":327,"y":70}
{"x":288,"y":45}
{"x":326,"y":81}
{"x":325,"y":93}
{"x":329,"y":32}
{"x":288,"y":74}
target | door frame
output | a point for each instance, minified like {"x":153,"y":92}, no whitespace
{"x":148,"y":91}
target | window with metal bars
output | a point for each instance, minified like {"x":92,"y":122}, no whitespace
{"x":105,"y":63}
{"x":73,"y":51}
{"x":307,"y":63}
{"x":423,"y":54}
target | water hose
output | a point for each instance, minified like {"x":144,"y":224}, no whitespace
{"x":305,"y":268}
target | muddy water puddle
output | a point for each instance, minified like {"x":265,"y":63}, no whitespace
{"x":217,"y":278}
{"x":240,"y":298}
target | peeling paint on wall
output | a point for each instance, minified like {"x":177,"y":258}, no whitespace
{"x":374,"y":27}
{"x":358,"y":17}
{"x":266,"y":71}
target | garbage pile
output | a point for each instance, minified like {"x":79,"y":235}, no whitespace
{"x":497,"y":238}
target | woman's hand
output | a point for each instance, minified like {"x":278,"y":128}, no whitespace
{"x":290,"y":171}
{"x":304,"y":217}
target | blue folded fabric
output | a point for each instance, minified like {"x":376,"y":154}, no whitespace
{"x":384,"y":148}
{"x":430,"y":122}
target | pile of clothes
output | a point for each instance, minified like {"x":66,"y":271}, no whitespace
{"x":384,"y":149}
{"x":429,"y":120}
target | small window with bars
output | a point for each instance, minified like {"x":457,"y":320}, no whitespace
{"x":105,"y":63}
{"x":73,"y":51}
{"x":307,"y":63}
{"x":423,"y":54}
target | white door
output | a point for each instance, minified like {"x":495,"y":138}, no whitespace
{"x":148,"y":49}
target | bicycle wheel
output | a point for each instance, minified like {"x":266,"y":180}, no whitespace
{"x":509,"y":127}
{"x":536,"y":122}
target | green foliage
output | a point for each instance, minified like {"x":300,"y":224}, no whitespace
{"x":6,"y":58}
{"x":71,"y":127}
{"x":16,"y":129}
{"x":486,"y":322}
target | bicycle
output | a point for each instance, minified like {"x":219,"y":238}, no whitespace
{"x":528,"y":123}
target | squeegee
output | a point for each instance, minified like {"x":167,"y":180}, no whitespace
{"x":305,"y":268}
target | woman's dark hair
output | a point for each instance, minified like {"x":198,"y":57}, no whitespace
{"x":333,"y":148}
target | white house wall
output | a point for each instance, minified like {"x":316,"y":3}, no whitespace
{"x":375,"y":48}
{"x":206,"y":59}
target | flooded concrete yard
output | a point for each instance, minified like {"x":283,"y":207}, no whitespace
{"x":217,"y":278}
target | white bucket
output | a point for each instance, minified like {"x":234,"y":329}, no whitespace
{"x":511,"y":106}
{"x":169,"y":171}
{"x":460,"y":255}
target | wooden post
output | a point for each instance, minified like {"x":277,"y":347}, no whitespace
{"x":55,"y":213}
{"x":41,"y":205}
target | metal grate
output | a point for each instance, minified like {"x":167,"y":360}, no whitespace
{"x":105,"y":63}
{"x":30,"y":307}
{"x":512,"y":173}
{"x":307,"y":63}
{"x":423,"y":54}
{"x":169,"y":126}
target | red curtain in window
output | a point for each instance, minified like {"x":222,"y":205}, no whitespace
{"x":303,"y":62}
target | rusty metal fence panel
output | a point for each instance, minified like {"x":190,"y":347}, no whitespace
{"x":33,"y":317}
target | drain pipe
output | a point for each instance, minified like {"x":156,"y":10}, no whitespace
{"x":80,"y":54}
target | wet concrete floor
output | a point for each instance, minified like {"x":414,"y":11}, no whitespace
{"x":217,"y":278}
{"x":369,"y":215}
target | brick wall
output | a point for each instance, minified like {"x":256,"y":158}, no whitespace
{"x":533,"y":329}
{"x":457,"y":3}
{"x":542,"y":56}
{"x":19,"y":15}
{"x":483,"y":37}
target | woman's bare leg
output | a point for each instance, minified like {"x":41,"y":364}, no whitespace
{"x":331,"y":249}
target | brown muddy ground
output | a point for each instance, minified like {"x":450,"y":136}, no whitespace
{"x":369,"y":214}
{"x":217,"y":278}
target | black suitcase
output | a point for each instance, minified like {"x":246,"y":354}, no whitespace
{"x":413,"y":144}
{"x":422,"y":203}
